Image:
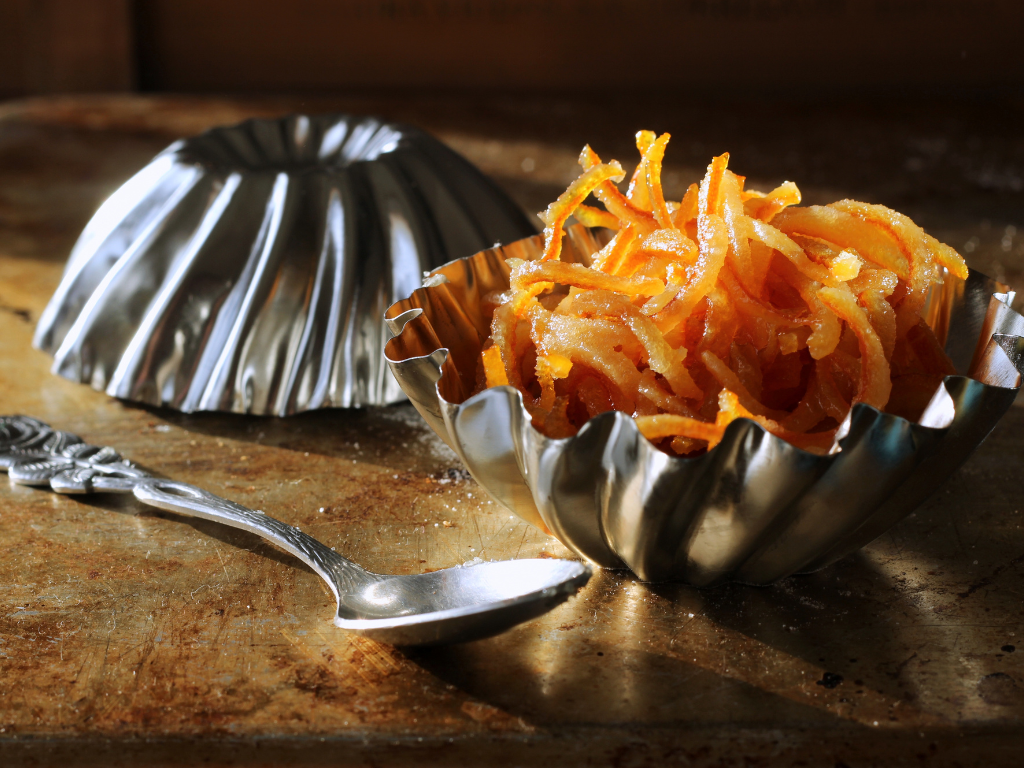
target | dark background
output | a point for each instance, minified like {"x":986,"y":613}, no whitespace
{"x":812,"y":48}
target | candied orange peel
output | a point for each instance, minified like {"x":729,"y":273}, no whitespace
{"x":730,"y":303}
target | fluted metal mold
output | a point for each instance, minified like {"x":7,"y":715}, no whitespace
{"x":755,"y":508}
{"x":248,"y":269}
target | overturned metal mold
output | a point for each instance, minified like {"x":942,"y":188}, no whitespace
{"x":248,"y":269}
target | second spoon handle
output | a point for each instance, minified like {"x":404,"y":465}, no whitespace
{"x":340,"y":574}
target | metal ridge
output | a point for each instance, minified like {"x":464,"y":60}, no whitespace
{"x":755,"y":508}
{"x":247,"y":269}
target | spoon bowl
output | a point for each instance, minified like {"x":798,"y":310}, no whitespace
{"x":461,"y":603}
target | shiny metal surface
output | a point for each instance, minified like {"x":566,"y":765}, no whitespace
{"x":247,"y":269}
{"x":129,"y":636}
{"x":446,"y":606}
{"x":755,"y":509}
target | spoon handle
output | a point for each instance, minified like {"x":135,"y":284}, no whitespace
{"x":33,"y":453}
{"x":340,"y":574}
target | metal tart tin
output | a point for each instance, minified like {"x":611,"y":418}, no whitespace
{"x":248,"y":269}
{"x":755,"y":508}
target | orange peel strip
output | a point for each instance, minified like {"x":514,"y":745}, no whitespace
{"x":670,"y":425}
{"x":503,"y":333}
{"x":766,"y":206}
{"x":910,"y":238}
{"x":637,"y":191}
{"x":739,"y":256}
{"x":655,"y":194}
{"x":713,"y":245}
{"x":826,"y":329}
{"x":728,"y":378}
{"x":561,"y":209}
{"x":616,"y":202}
{"x":772,"y":237}
{"x":847,"y":231}
{"x":494,"y":368}
{"x":709,"y":198}
{"x":651,"y":388}
{"x":609,"y":258}
{"x":947,"y":257}
{"x":526,"y":274}
{"x":660,"y":355}
{"x":522,"y":299}
{"x":664,"y":425}
{"x":829,"y":396}
{"x":672,"y":242}
{"x":875,"y":383}
{"x":809,"y":411}
{"x":713,"y":238}
{"x":687,"y":210}
{"x":595,"y":217}
{"x":883,"y":319}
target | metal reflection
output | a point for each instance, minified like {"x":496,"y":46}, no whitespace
{"x":248,"y":269}
{"x":755,"y":509}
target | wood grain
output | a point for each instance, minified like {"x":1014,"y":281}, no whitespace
{"x":129,"y":637}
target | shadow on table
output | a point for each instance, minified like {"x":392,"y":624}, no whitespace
{"x":671,"y":653}
{"x":850,"y":642}
{"x":126,"y":504}
{"x":392,"y":436}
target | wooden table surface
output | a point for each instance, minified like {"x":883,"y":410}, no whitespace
{"x":130,"y":636}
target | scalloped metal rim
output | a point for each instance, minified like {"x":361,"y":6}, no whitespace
{"x":754,"y":509}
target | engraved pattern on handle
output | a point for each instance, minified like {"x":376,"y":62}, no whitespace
{"x":33,"y":453}
{"x":342,"y":575}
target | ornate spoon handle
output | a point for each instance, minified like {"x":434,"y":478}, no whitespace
{"x":340,"y":574}
{"x":35,"y":454}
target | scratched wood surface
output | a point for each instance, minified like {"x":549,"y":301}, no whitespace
{"x":132,"y":636}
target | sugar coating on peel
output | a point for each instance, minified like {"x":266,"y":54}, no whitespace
{"x":730,"y":303}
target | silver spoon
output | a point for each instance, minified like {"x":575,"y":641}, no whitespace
{"x":448,"y":606}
